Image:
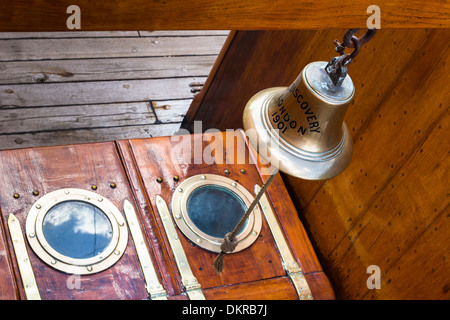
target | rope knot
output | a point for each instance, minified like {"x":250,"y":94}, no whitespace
{"x":229,"y":243}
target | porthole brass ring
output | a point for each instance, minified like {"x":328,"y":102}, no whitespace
{"x":245,"y":238}
{"x":101,"y":261}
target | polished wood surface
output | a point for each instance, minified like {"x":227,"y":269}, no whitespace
{"x":48,"y":169}
{"x":164,"y":157}
{"x":47,"y":15}
{"x":133,"y":166}
{"x":8,"y":287}
{"x":390,"y":206}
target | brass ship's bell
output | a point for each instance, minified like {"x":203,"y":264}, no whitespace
{"x":301,"y":129}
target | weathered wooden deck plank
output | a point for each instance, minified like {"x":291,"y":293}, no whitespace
{"x":110,"y":34}
{"x":76,"y":93}
{"x":91,"y":135}
{"x":55,"y":118}
{"x":15,"y":72}
{"x":75,"y":48}
{"x":68,"y":34}
{"x":171,"y":111}
{"x":61,"y":88}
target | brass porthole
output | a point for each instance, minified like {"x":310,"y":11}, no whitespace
{"x":206,"y":207}
{"x":76,"y":231}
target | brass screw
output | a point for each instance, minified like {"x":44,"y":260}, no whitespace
{"x":176,"y":178}
{"x":113,"y":185}
{"x":35,"y":193}
{"x":94,"y":187}
{"x":159,"y":180}
{"x":227,"y":171}
{"x":16,"y":196}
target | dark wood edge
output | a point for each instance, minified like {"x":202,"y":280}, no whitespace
{"x":146,"y":211}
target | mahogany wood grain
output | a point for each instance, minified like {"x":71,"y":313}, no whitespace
{"x":8,"y":287}
{"x":147,"y":219}
{"x":279,"y":288}
{"x":390,"y":206}
{"x":81,"y":166}
{"x":46,"y":15}
{"x":260,"y":261}
{"x":167,"y":157}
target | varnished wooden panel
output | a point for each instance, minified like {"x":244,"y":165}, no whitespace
{"x":8,"y":287}
{"x":390,"y":206}
{"x":48,"y":169}
{"x":45,"y":15}
{"x":164,"y":157}
{"x":272,"y":289}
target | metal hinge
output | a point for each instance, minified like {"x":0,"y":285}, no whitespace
{"x":293,"y":270}
{"x":23,"y":260}
{"x":190,"y":283}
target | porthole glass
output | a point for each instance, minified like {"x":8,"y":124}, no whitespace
{"x":76,"y":231}
{"x":206,"y":207}
{"x":210,"y":204}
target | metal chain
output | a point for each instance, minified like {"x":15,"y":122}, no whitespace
{"x":337,"y":67}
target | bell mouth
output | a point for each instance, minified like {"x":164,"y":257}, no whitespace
{"x":282,"y":154}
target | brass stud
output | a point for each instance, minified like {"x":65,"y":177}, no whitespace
{"x":113,"y":185}
{"x":35,"y":193}
{"x":243,"y":171}
{"x":227,"y":171}
{"x":176,"y":178}
{"x":16,"y":196}
{"x":159,"y":180}
{"x":94,"y":187}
